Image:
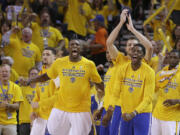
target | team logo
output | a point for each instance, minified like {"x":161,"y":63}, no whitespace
{"x":42,"y":89}
{"x":166,"y":90}
{"x":73,"y":79}
{"x":131,"y":89}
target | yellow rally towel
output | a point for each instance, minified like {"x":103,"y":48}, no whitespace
{"x":165,"y":75}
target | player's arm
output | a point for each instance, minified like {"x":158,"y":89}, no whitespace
{"x":13,"y":106}
{"x":143,"y":40}
{"x":41,"y":78}
{"x":112,"y":37}
{"x":171,"y":102}
{"x":6,"y":37}
{"x":100,"y":86}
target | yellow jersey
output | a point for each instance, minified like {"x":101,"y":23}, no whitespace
{"x":109,"y":83}
{"x":14,"y":75}
{"x":13,"y":95}
{"x":43,"y":92}
{"x":77,"y":15}
{"x":170,"y":91}
{"x":25,"y":108}
{"x":51,"y":34}
{"x":74,"y":92}
{"x":154,"y":63}
{"x":135,"y":88}
{"x":9,"y":50}
{"x":25,"y":56}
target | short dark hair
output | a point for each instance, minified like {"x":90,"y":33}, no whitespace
{"x":51,"y":49}
{"x":44,"y":10}
{"x":175,"y":51}
{"x":143,"y":48}
{"x":33,"y":68}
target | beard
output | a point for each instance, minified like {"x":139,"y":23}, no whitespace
{"x":45,"y":63}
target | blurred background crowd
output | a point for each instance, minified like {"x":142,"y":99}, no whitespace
{"x":30,"y":26}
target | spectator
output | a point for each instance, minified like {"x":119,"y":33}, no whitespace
{"x":98,"y":45}
{"x":25,"y":108}
{"x":45,"y":35}
{"x":25,"y":54}
{"x":9,"y":61}
{"x":11,"y":96}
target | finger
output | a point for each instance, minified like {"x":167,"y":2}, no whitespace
{"x":166,"y":104}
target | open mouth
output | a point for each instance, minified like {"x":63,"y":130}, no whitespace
{"x":134,"y":58}
{"x":74,"y":52}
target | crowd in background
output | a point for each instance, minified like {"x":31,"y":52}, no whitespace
{"x":28,"y":27}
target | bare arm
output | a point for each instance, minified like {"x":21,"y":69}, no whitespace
{"x":40,"y":78}
{"x":143,"y":40}
{"x":112,"y":37}
{"x":100,"y":86}
{"x":60,"y":45}
{"x":95,"y":47}
{"x":12,"y":107}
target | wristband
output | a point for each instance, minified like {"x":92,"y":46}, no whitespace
{"x":135,"y":113}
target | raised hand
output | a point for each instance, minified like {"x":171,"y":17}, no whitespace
{"x":129,"y":25}
{"x":123,"y":16}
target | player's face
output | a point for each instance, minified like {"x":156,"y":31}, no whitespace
{"x":74,"y":49}
{"x":178,"y":45}
{"x":48,"y":57}
{"x":33,"y":73}
{"x":173,"y":59}
{"x":26,"y":35}
{"x":5,"y":72}
{"x":108,"y":57}
{"x":136,"y":54}
{"x":4,"y":28}
{"x":130,"y":44}
{"x":177,"y":32}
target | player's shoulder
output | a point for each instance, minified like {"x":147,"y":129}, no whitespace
{"x":147,"y":68}
{"x":14,"y":85}
{"x":87,"y":61}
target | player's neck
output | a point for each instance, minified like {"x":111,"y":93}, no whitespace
{"x":136,"y":66}
{"x":5,"y":82}
{"x":32,"y":85}
{"x":172,"y":67}
{"x":75,"y":59}
{"x":47,"y":66}
{"x":111,"y":64}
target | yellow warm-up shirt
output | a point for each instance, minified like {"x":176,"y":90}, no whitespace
{"x":109,"y":83}
{"x":25,"y":106}
{"x":9,"y":50}
{"x":25,"y":56}
{"x":154,"y":63}
{"x":43,"y":92}
{"x":53,"y":36}
{"x":169,"y":29}
{"x":76,"y":20}
{"x":74,"y":92}
{"x":14,"y":94}
{"x":170,"y":91}
{"x":14,"y":75}
{"x":135,"y":88}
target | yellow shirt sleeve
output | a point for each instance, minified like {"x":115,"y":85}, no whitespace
{"x":52,"y":71}
{"x":38,"y":54}
{"x":148,"y":92}
{"x":37,"y":95}
{"x":58,"y":35}
{"x":18,"y":97}
{"x":95,"y":77}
